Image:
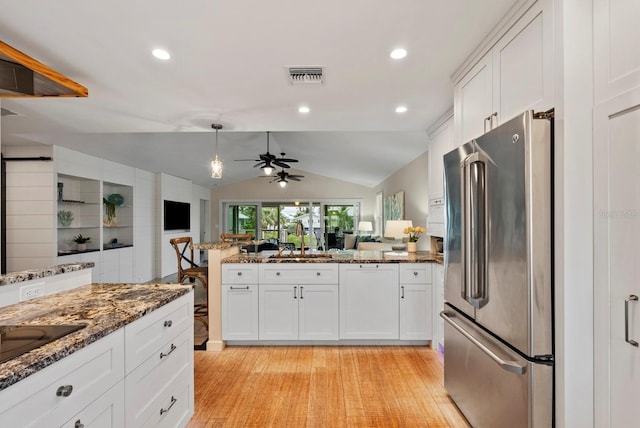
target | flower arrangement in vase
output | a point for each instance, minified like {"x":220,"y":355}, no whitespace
{"x":414,"y":234}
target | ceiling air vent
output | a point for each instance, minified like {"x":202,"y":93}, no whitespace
{"x":306,"y":75}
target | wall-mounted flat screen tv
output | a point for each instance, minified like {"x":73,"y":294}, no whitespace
{"x":177,"y":215}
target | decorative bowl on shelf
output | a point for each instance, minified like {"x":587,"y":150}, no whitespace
{"x":65,"y":218}
{"x":398,"y":247}
{"x":116,"y":199}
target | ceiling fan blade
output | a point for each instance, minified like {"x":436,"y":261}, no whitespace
{"x":260,"y":163}
{"x":279,"y":163}
{"x":293,"y":177}
{"x":246,"y":160}
{"x":287,"y":160}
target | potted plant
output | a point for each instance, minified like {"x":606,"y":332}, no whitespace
{"x":81,"y":242}
{"x":65,"y":218}
{"x":110,"y":213}
{"x":414,"y":234}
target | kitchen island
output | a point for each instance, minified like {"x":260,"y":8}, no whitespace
{"x":241,"y":284}
{"x":88,"y":373}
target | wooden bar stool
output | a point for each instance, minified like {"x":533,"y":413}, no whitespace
{"x":188,"y":269}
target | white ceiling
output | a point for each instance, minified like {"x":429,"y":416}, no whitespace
{"x":228,"y":66}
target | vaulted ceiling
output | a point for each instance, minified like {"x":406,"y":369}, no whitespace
{"x":229,"y":65}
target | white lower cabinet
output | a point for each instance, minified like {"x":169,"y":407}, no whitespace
{"x":415,"y":302}
{"x":117,"y":381}
{"x":240,"y":312}
{"x":51,"y":397}
{"x":159,"y":367}
{"x":369,"y":307}
{"x":106,"y":412}
{"x":298,"y":302}
{"x":298,"y":312}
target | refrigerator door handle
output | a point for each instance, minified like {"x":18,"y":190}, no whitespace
{"x":510,"y":366}
{"x":475,"y":240}
{"x":633,"y":298}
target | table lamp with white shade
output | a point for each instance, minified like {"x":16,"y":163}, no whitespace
{"x":365,"y":227}
{"x":395,"y":229}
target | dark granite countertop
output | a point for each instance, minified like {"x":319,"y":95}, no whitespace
{"x":104,"y":308}
{"x":339,"y":257}
{"x":26,"y":275}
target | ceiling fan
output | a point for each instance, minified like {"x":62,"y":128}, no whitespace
{"x":267,"y":161}
{"x":283,"y":177}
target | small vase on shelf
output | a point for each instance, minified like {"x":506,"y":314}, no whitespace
{"x":412,"y":247}
{"x":81,"y":247}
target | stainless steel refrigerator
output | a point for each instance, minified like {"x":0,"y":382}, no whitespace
{"x":498,"y":339}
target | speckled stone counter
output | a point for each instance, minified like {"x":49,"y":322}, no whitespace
{"x":219,"y":245}
{"x":26,"y":275}
{"x":104,"y":308}
{"x":339,"y":257}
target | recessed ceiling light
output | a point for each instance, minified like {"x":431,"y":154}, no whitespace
{"x":401,"y":109}
{"x":161,"y":54}
{"x":398,"y":53}
{"x":304,"y":109}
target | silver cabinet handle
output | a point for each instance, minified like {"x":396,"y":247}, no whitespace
{"x":484,"y":123}
{"x":173,"y":401}
{"x":317,"y":273}
{"x":295,"y":290}
{"x":238,"y":288}
{"x":173,"y":348}
{"x":415,"y":273}
{"x":168,"y":323}
{"x":239,"y":273}
{"x":494,"y":114}
{"x":402,"y":291}
{"x":368,"y":266}
{"x":78,"y":424}
{"x":510,"y":366}
{"x":277,"y":273}
{"x":64,"y":391}
{"x":631,"y":298}
{"x":301,"y":288}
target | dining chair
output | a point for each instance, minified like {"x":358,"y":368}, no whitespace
{"x":188,"y":269}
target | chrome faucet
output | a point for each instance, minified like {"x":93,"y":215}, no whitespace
{"x":300,"y":232}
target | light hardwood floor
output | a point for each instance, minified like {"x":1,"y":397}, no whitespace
{"x":322,"y":386}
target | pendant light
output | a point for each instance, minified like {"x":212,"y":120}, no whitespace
{"x":216,"y":164}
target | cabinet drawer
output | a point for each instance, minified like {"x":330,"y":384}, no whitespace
{"x":155,"y":374}
{"x":239,"y":273}
{"x":152,"y":333}
{"x":89,"y":372}
{"x":415,"y":273}
{"x":311,"y":273}
{"x":170,"y":407}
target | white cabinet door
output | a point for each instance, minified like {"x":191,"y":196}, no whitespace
{"x":473,"y":101}
{"x":616,"y":232}
{"x":318,"y":312}
{"x":106,"y":412}
{"x":415,"y":312}
{"x":523,"y":64}
{"x":240,"y":312}
{"x":278,"y":312}
{"x":440,"y":143}
{"x":369,"y":301}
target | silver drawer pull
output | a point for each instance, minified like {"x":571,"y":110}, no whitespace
{"x":64,"y":391}
{"x":301,"y":288}
{"x":239,"y":273}
{"x":631,"y":298}
{"x":277,"y":273}
{"x":78,"y":424}
{"x":173,"y":401}
{"x":239,"y":288}
{"x":173,"y":348}
{"x":415,"y":273}
{"x":402,"y":290}
{"x":168,"y":323}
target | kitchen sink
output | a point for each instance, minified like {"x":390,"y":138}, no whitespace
{"x":20,"y":339}
{"x":301,"y":256}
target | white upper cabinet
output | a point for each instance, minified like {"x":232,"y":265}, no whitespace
{"x":617,"y":58}
{"x":515,"y":75}
{"x":440,"y":143}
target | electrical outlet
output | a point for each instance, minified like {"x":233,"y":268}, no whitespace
{"x":31,"y":291}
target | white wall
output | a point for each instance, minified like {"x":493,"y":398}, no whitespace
{"x":413,"y":180}
{"x":144,"y":226}
{"x":312,"y":187}
{"x":31,"y":209}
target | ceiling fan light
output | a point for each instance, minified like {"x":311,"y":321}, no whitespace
{"x":282,"y":183}
{"x":267,"y":170}
{"x":216,"y":168}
